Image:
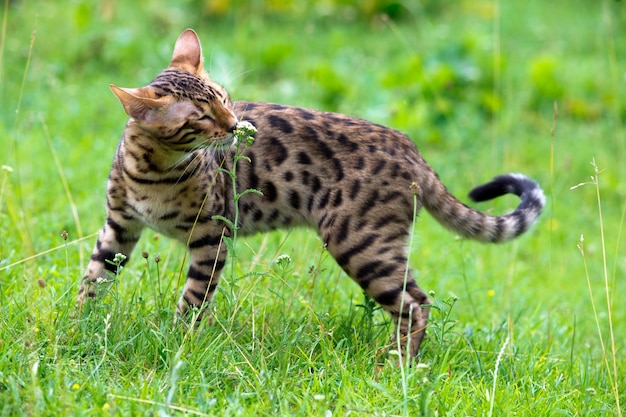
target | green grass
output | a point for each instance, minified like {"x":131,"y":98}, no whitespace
{"x":531,"y":328}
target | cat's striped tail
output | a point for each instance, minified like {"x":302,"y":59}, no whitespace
{"x":472,"y":224}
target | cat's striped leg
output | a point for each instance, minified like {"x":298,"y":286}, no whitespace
{"x":376,"y":259}
{"x":395,"y":289}
{"x":207,"y":259}
{"x":116,"y":237}
{"x":409,"y":307}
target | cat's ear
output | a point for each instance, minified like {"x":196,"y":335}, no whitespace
{"x":188,"y":53}
{"x":138,"y":102}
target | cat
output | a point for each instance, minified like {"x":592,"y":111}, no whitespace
{"x":355,"y":182}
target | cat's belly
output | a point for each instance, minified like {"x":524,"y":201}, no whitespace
{"x":168,"y":219}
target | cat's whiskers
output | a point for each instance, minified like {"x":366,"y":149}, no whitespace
{"x":188,"y":159}
{"x":201,"y":154}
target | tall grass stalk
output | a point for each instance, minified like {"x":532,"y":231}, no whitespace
{"x":174,"y":377}
{"x":64,"y":236}
{"x":5,"y":172}
{"x":611,"y":366}
{"x":47,"y":251}
{"x":66,"y":187}
{"x":492,"y":396}
{"x":551,"y":220}
{"x":105,"y":350}
{"x":244,"y":137}
{"x":17,"y":214}
{"x":403,"y":376}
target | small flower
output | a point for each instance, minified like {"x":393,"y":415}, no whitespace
{"x":144,"y":255}
{"x":7,"y":168}
{"x":64,"y":234}
{"x":245,"y":132}
{"x":491,"y":293}
{"x":119,"y":258}
{"x":283,"y":260}
{"x":75,"y":387}
{"x":245,"y":127}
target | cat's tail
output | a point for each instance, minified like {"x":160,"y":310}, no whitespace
{"x":471,"y":223}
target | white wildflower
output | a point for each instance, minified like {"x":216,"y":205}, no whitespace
{"x":244,"y":132}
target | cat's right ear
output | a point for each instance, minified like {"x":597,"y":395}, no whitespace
{"x":137,"y":102}
{"x":188,"y":53}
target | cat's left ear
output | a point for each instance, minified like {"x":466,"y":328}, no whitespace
{"x":188,"y":53}
{"x":138,"y":103}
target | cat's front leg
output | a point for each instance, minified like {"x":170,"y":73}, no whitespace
{"x":207,"y":259}
{"x":116,"y":237}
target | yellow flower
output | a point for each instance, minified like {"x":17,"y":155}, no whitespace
{"x":75,"y":387}
{"x":491,"y":293}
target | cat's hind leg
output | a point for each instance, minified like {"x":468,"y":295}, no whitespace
{"x":376,"y":259}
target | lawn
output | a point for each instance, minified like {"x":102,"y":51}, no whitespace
{"x":529,"y":328}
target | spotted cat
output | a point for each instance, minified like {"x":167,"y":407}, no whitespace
{"x":353,"y":181}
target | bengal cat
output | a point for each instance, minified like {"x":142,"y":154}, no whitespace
{"x":353,"y":181}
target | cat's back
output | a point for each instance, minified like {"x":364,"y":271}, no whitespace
{"x":309,"y":137}
{"x":312,"y":165}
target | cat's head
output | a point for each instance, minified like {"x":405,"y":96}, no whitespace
{"x":182,"y":107}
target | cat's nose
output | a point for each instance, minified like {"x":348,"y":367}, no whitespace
{"x":232,"y":128}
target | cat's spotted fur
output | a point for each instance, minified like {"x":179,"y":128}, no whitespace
{"x":351,"y":180}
